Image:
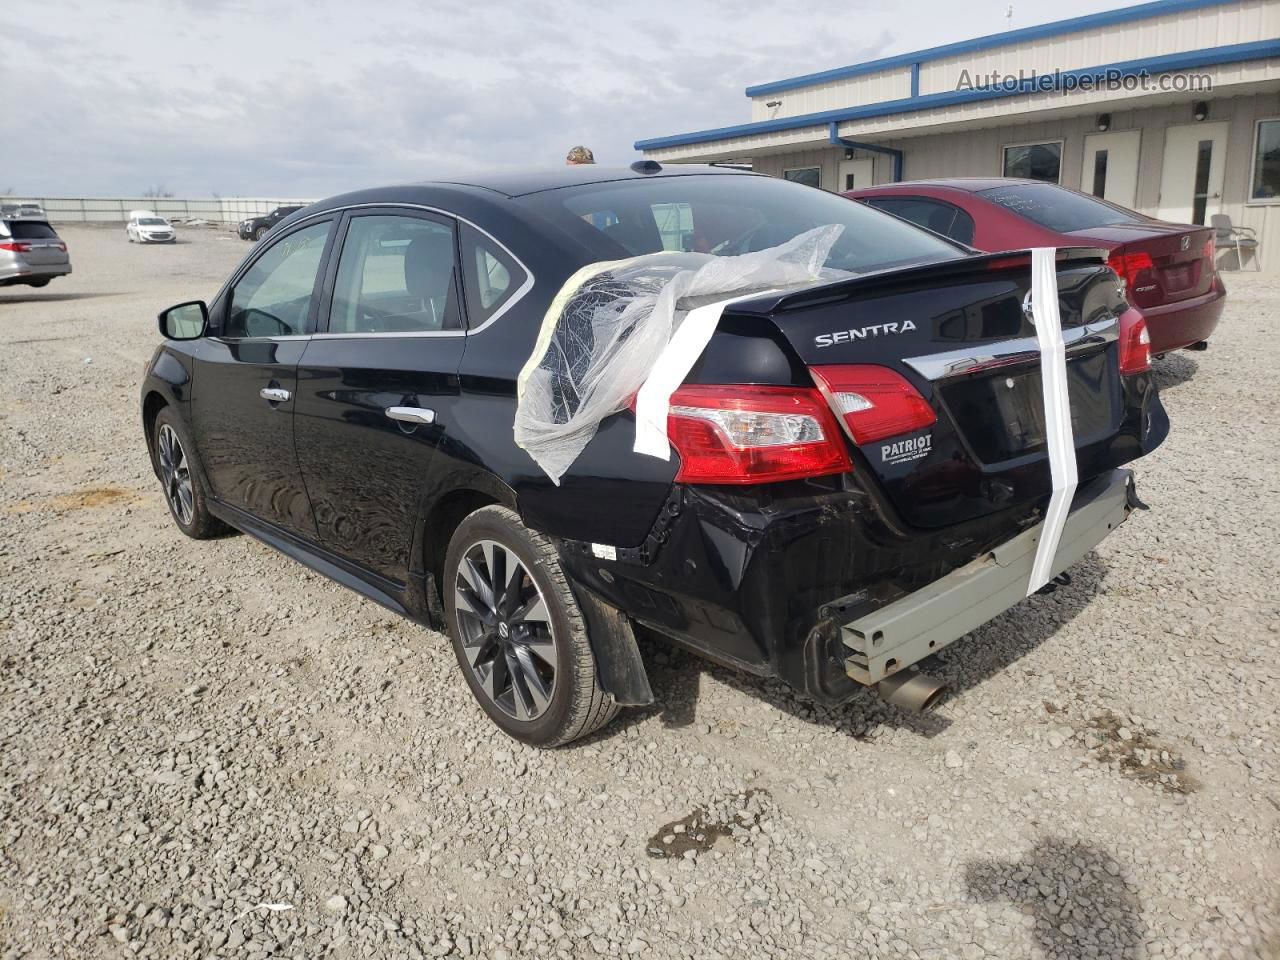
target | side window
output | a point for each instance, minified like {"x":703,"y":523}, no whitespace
{"x":273,"y":298}
{"x":395,"y":276}
{"x":933,"y":215}
{"x":490,"y":276}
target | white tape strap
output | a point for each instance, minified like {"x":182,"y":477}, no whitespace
{"x":1057,"y":411}
{"x":653,"y":401}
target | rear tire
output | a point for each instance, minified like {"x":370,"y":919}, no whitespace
{"x":38,"y":283}
{"x":522,"y":648}
{"x":180,"y":479}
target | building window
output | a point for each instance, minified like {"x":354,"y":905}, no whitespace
{"x":1266,"y":161}
{"x":1099,"y":174}
{"x":809,"y":176}
{"x":1200,"y":199}
{"x":1034,"y":161}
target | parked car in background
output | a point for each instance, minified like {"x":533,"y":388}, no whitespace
{"x":847,"y":458}
{"x":13,"y":211}
{"x":31,"y":252}
{"x":147,"y":227}
{"x":255,"y":228}
{"x":1169,"y":268}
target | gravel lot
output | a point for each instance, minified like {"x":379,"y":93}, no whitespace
{"x":207,"y":750}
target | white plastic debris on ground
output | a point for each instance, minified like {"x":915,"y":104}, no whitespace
{"x":607,"y":333}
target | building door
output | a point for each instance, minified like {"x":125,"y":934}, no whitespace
{"x":1191,"y":180}
{"x":855,"y":175}
{"x":1111,"y":166}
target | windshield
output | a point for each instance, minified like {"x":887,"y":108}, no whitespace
{"x":729,"y":215}
{"x":1058,"y":208}
{"x":153,"y":222}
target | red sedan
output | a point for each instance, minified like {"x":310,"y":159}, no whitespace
{"x":1168,"y":267}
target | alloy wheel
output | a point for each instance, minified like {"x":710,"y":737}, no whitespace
{"x":175,"y":474}
{"x":505,"y":630}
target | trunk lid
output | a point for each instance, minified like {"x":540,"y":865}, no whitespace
{"x":1161,"y":262}
{"x":41,"y":244}
{"x":959,"y":333}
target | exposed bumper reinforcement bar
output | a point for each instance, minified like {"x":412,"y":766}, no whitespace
{"x":921,"y":623}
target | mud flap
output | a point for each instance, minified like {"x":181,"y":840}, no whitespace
{"x":618,"y":664}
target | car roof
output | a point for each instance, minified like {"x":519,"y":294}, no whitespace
{"x":516,"y":183}
{"x":966,"y":184}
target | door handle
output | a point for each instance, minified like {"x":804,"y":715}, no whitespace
{"x":411,"y":414}
{"x":274,"y":394}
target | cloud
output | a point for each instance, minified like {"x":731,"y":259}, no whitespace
{"x":312,"y":98}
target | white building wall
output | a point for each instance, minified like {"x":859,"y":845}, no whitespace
{"x":1179,"y":32}
{"x":1136,"y":40}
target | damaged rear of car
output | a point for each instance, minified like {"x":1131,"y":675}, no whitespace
{"x":864,"y":460}
{"x":545,"y":411}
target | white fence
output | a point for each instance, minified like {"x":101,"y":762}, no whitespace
{"x":116,"y":209}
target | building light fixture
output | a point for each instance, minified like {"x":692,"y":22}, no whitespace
{"x":1104,"y":122}
{"x":1201,"y":110}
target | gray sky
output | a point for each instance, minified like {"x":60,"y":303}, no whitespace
{"x":306,"y":99}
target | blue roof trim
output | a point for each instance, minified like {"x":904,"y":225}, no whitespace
{"x":1141,"y":11}
{"x":1232,"y":53}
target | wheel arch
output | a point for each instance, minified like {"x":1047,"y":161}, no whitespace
{"x":464,"y":493}
{"x":152,"y":404}
{"x":619,"y":666}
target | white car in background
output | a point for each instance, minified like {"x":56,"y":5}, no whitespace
{"x":145,"y":227}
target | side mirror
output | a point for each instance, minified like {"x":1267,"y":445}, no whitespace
{"x":186,"y":321}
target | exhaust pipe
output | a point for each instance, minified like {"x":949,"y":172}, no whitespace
{"x":916,"y":692}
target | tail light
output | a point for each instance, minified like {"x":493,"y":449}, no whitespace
{"x":16,"y":247}
{"x":1135,"y":343}
{"x":753,"y":434}
{"x":1210,"y":250}
{"x":876,"y":402}
{"x":1129,"y":265}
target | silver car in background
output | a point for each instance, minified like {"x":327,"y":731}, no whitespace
{"x":31,"y":252}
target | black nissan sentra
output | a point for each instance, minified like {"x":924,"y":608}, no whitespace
{"x":858,"y":474}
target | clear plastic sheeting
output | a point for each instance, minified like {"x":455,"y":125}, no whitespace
{"x":608,"y":330}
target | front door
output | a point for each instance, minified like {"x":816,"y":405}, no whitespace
{"x":245,"y":376}
{"x":1111,"y":166}
{"x":377,"y":385}
{"x":856,"y":175}
{"x":1191,"y":181}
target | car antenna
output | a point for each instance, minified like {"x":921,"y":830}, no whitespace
{"x":647,"y":166}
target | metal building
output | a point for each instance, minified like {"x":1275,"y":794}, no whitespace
{"x":1171,"y":108}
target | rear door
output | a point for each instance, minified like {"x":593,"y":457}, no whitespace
{"x":378,"y":386}
{"x":245,"y":378}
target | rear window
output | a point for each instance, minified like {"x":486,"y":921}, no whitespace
{"x":30,"y":230}
{"x":1058,"y":208}
{"x":729,"y":215}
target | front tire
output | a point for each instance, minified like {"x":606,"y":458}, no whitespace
{"x":259,"y":233}
{"x":180,"y":479}
{"x":518,"y":634}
